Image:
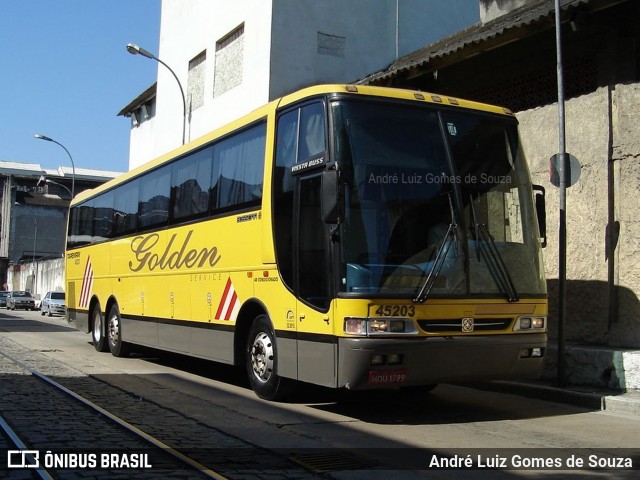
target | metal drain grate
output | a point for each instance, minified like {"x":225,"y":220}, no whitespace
{"x":327,"y":462}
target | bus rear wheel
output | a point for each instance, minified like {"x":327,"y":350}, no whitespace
{"x":98,"y":331}
{"x":117,"y":346}
{"x":262,"y":362}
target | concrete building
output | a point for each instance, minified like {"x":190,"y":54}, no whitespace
{"x":232,"y":57}
{"x":511,"y":58}
{"x":33,"y":216}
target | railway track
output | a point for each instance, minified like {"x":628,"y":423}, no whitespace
{"x":89,"y":429}
{"x":44,"y":443}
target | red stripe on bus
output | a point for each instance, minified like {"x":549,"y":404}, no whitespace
{"x":224,"y":298}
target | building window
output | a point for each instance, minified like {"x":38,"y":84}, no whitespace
{"x":229,"y":61}
{"x":195,"y":88}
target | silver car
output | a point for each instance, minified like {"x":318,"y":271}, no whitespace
{"x":20,"y":299}
{"x":53,"y":303}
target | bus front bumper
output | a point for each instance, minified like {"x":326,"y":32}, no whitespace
{"x":374,"y":363}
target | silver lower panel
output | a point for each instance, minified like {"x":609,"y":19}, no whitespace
{"x":436,"y":360}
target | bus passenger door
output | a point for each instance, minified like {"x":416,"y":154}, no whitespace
{"x":316,"y":348}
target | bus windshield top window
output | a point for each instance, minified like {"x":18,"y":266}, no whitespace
{"x":401,"y":166}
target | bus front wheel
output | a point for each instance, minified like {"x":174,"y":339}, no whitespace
{"x":117,"y":346}
{"x":262,"y":361}
{"x":98,"y":331}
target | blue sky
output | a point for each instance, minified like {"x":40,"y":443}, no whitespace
{"x":65,"y":73}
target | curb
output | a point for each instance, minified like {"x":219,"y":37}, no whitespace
{"x":579,"y":398}
{"x":627,"y":404}
{"x":610,"y":401}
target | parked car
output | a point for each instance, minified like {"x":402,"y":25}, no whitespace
{"x":53,"y":302}
{"x":20,"y":299}
{"x":3,"y":298}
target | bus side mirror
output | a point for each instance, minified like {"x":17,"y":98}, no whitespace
{"x":541,"y":213}
{"x":330,"y":197}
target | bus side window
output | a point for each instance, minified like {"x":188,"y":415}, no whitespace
{"x":103,"y":218}
{"x":286,"y":153}
{"x":287,"y":141}
{"x":153,"y":202}
{"x":238,"y":169}
{"x":312,"y":135}
{"x":300,"y":135}
{"x":125,"y":208}
{"x":190,"y":184}
{"x":81,"y":225}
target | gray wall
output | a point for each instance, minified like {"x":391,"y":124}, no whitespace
{"x":50,"y":236}
{"x":603,"y":251}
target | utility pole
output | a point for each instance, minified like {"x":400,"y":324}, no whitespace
{"x":562,"y":229}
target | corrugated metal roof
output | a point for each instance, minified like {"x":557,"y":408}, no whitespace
{"x":88,"y":173}
{"x":476,"y":35}
{"x":145,"y":96}
{"x":20,"y":168}
{"x":35,"y":169}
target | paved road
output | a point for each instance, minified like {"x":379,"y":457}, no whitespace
{"x":369,"y":430}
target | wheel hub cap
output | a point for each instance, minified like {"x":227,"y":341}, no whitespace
{"x":114,"y":329}
{"x":262,"y":357}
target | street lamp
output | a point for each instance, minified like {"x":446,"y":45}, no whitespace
{"x":45,"y":180}
{"x":134,"y":49}
{"x":73,"y":178}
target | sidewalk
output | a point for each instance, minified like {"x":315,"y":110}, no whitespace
{"x":612,"y":401}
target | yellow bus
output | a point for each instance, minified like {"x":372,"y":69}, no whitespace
{"x":347,"y":236}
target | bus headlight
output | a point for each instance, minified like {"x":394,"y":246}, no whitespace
{"x":531,"y":324}
{"x":379,"y":326}
{"x":355,"y":326}
{"x":384,"y":325}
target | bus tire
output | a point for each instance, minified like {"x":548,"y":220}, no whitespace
{"x":262,"y":362}
{"x":117,"y":347}
{"x":98,"y":334}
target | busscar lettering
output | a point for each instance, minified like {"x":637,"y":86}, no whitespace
{"x":171,"y":258}
{"x":314,"y":162}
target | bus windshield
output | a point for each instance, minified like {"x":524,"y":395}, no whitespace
{"x":437,"y":203}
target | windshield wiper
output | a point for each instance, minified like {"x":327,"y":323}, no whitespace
{"x":441,"y":255}
{"x":498,"y":269}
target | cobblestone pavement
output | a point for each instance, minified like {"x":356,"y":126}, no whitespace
{"x":49,"y":420}
{"x":207,"y":411}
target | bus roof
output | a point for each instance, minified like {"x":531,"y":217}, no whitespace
{"x":261,"y":112}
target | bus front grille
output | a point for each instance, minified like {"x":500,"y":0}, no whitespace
{"x":463,"y":325}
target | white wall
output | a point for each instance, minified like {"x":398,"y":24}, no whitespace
{"x":141,"y":143}
{"x":188,"y":28}
{"x":374,"y":33}
{"x":49,"y":276}
{"x":281,"y":53}
{"x":364,"y":35}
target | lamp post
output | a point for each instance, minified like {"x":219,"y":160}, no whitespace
{"x":73,"y":178}
{"x":134,"y":49}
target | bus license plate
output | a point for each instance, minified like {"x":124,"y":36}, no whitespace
{"x":387,"y":377}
